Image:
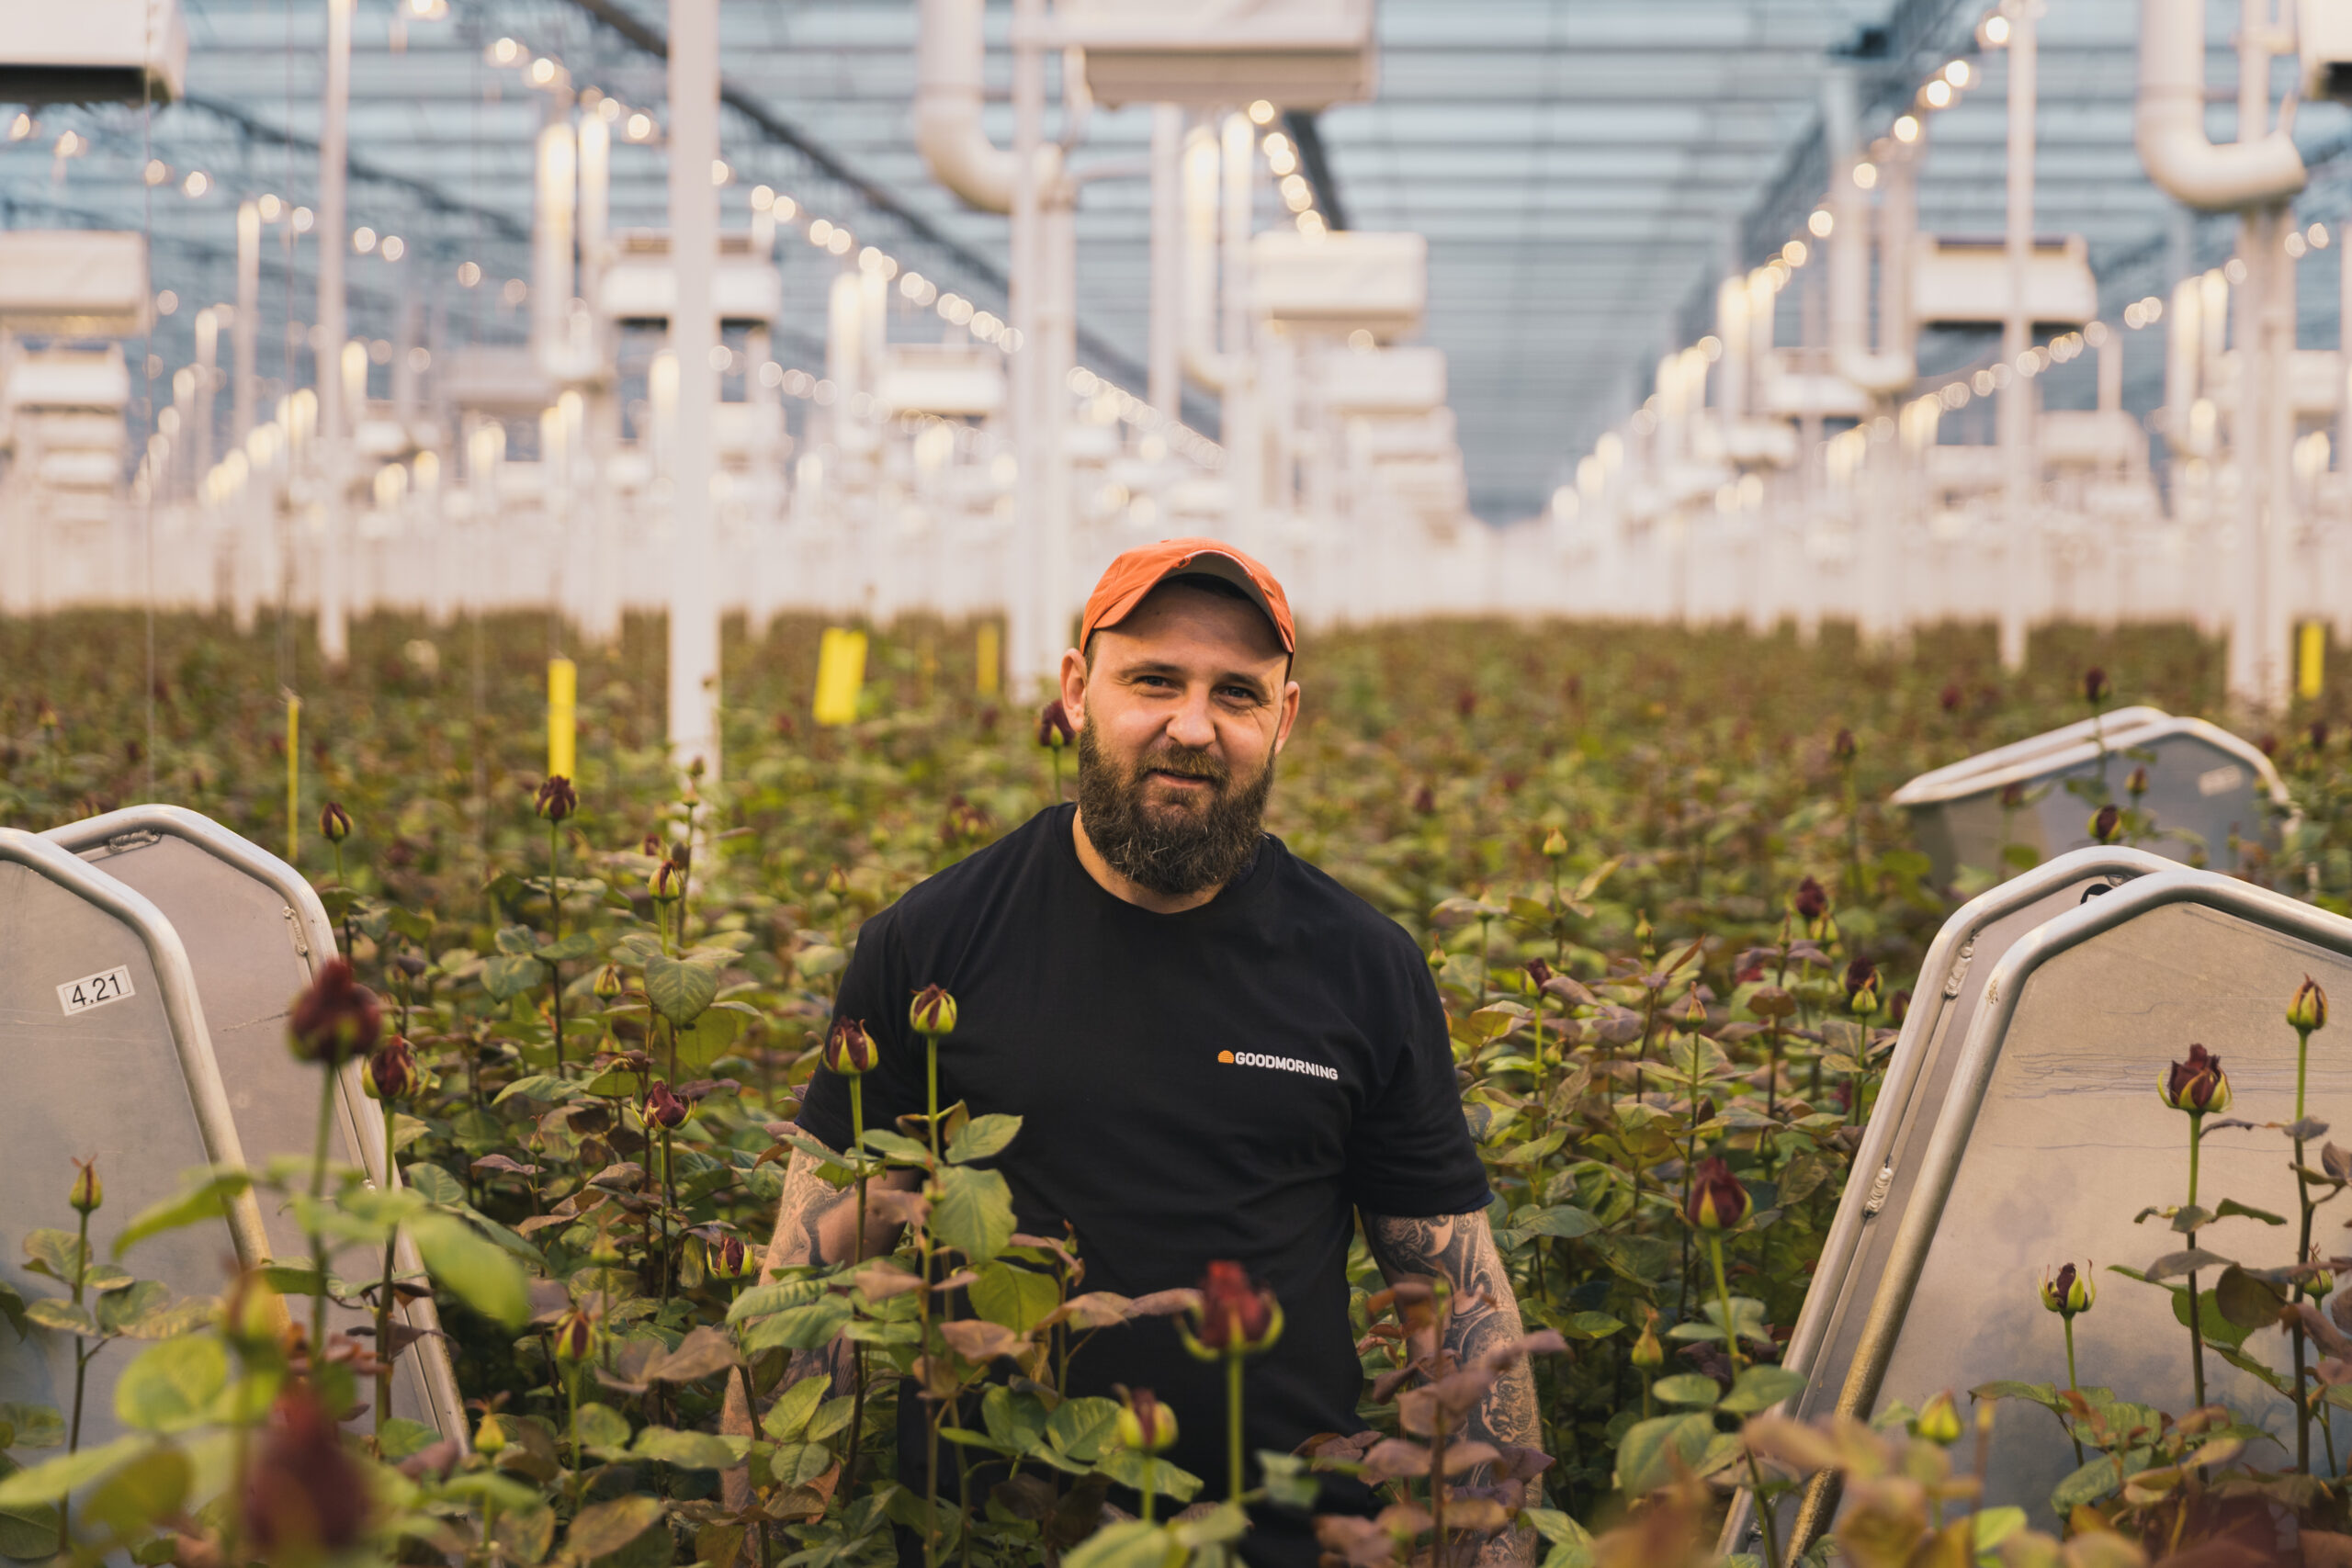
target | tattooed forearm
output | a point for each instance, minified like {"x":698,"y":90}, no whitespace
{"x":1460,"y":1249}
{"x":816,"y":1223}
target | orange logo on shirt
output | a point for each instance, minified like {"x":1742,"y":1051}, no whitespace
{"x":1225,"y":1056}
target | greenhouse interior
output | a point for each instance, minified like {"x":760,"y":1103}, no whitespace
{"x":1746,"y":605}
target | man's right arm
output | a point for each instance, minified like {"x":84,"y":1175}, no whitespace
{"x":816,"y":1223}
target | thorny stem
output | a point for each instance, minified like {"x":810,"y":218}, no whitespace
{"x":1772,"y":1517}
{"x":669,"y":1205}
{"x":384,"y":1303}
{"x":1723,"y":1294}
{"x":81,"y":1371}
{"x":579,"y":1464}
{"x":931,"y":1101}
{"x":318,"y":1238}
{"x":857,"y":1351}
{"x":2303,"y":1256}
{"x":2073,"y":1383}
{"x":2196,"y":1314}
{"x":1233,"y":1424}
{"x":555,"y":927}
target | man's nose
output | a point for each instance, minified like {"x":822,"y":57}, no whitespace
{"x":1190,"y":724}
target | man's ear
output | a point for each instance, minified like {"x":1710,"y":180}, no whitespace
{"x":1073,"y":687}
{"x":1289,"y":716}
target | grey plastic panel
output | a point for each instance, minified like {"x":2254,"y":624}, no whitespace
{"x":129,"y":1081}
{"x":2210,"y":793}
{"x":255,"y":933}
{"x":2051,"y":1137}
{"x":2034,"y":748}
{"x":1952,"y":982}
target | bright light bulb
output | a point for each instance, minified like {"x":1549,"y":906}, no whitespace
{"x":1820,"y":223}
{"x":363,"y":240}
{"x":1794,"y":253}
{"x":719,"y":173}
{"x":394,"y":247}
{"x":542,"y":72}
{"x":1906,"y":128}
{"x":640,"y":126}
{"x":1261,"y":112}
{"x":270,"y":208}
{"x":157,"y":170}
{"x":1937,"y":94}
{"x":1958,"y":74}
{"x":468,"y":273}
{"x":1996,"y":30}
{"x":197,"y":184}
{"x":1866,"y":175}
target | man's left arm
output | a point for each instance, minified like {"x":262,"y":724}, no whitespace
{"x":1460,"y":1250}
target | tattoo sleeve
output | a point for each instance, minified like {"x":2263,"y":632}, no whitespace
{"x":1460,"y":1249}
{"x":815,"y":1222}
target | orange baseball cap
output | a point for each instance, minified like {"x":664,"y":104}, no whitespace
{"x":1127,"y":580}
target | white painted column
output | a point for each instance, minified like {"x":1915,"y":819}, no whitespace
{"x":1165,"y":389}
{"x":1244,"y":444}
{"x":334,"y":239}
{"x":1030,"y":651}
{"x":694,"y":335}
{"x":246,"y":326}
{"x":2015,"y":412}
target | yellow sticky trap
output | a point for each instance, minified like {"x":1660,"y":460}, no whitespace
{"x":841,"y":673}
{"x":2310,"y":659}
{"x":989,"y":658}
{"x":563,"y":695}
{"x":293,"y":775}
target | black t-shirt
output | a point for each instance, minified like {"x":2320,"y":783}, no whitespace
{"x":1229,"y":1082}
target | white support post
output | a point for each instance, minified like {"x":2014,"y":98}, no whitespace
{"x":326,"y":358}
{"x":1244,"y":444}
{"x":1031,"y":650}
{"x":1165,"y":389}
{"x":208,"y":375}
{"x":245,"y":327}
{"x":2262,"y":431}
{"x":694,"y":335}
{"x":2015,"y":412}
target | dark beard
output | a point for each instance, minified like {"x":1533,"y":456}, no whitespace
{"x":1173,"y":851}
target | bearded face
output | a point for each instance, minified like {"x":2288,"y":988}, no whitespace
{"x":1172,"y":819}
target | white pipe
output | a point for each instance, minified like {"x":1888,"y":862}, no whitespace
{"x":595,"y":198}
{"x":1890,"y":369}
{"x":334,"y":236}
{"x":2170,"y":128}
{"x":551,"y":249}
{"x":208,"y":375}
{"x":1165,"y":386}
{"x":693,"y":333}
{"x":949,"y":51}
{"x":2184,"y":348}
{"x":1731,"y":375}
{"x":246,"y":326}
{"x":1202,"y":360}
{"x":2014,"y":416}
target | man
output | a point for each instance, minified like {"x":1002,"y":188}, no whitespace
{"x":1216,"y":1051}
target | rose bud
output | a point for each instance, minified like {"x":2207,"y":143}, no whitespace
{"x":1939,"y":1421}
{"x":667,"y":884}
{"x":1146,"y":1424}
{"x":1555,"y":844}
{"x":88,"y":1191}
{"x":836,"y":882}
{"x":1812,"y":900}
{"x":1718,"y":1202}
{"x":1951,"y":697}
{"x":2137,"y":785}
{"x":2107,"y":825}
{"x":490,"y":1437}
{"x":1898,"y":1008}
{"x":2319,"y":733}
{"x":1844,"y":747}
{"x":933,"y":1012}
{"x":728,"y":1258}
{"x":608,"y":982}
{"x":1644,"y":932}
{"x":1690,"y":1014}
{"x":2197,"y":1086}
{"x":335,"y":1020}
{"x":575,"y":1336}
{"x":2012,"y":797}
{"x":1647,"y":1352}
{"x":557,"y":799}
{"x":2069,"y":1293}
{"x":651,"y":848}
{"x":1234,"y":1318}
{"x":2307,"y":1014}
{"x":1054,"y":729}
{"x":1537,"y":973}
{"x":335,"y":822}
{"x":305,"y":1498}
{"x":664,"y":1109}
{"x":849,"y":1051}
{"x":391,"y":1071}
{"x":2095,"y":689}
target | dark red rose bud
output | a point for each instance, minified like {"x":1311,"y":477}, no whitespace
{"x":1951,"y":697}
{"x":2137,"y":785}
{"x":557,"y":799}
{"x":335,"y":822}
{"x":391,"y":1071}
{"x":2012,"y":797}
{"x":1424,"y":800}
{"x":1235,"y":1317}
{"x":1812,"y":900}
{"x":849,"y":1050}
{"x":1862,"y":971}
{"x":2095,"y":689}
{"x":932,"y":1011}
{"x":2107,"y":825}
{"x":2319,"y":733}
{"x":1718,"y":1202}
{"x":1538,"y":971}
{"x":2197,"y":1085}
{"x":1844,"y":747}
{"x":664,"y":1109}
{"x":307,"y":1499}
{"x":1054,"y":727}
{"x":728,"y":1258}
{"x":575,"y":1336}
{"x":335,"y":1020}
